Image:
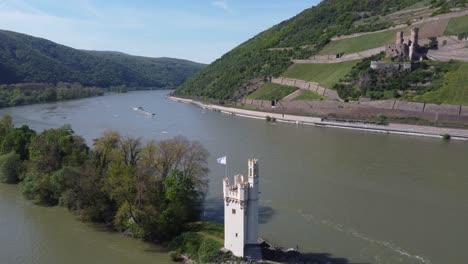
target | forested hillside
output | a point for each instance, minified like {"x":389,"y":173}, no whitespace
{"x":26,"y":59}
{"x":306,"y":33}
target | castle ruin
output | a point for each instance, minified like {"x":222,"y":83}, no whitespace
{"x":241,"y":213}
{"x":405,"y":51}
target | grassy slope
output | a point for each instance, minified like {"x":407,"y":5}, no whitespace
{"x":271,"y":91}
{"x":359,"y":43}
{"x":309,"y":96}
{"x":454,"y":88}
{"x":457,"y":26}
{"x":326,"y":75}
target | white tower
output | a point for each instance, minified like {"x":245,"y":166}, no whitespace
{"x":241,"y":211}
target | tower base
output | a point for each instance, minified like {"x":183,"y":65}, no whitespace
{"x":253,"y":252}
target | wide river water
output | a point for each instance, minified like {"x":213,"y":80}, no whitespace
{"x":347,"y":196}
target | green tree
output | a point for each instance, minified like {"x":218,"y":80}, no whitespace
{"x":18,"y":140}
{"x":106,"y":150}
{"x":182,"y":196}
{"x":50,"y":152}
{"x":54,"y":148}
{"x":10,"y":168}
{"x":6,"y":124}
{"x":86,"y":197}
{"x":183,"y":155}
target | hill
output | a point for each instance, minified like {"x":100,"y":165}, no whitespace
{"x":310,"y":33}
{"x":27,"y":59}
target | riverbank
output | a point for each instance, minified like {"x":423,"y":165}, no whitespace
{"x":391,"y":128}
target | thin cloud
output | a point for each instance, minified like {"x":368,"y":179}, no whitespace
{"x":223,"y":4}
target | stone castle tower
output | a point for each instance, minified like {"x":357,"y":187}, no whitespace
{"x":241,"y":211}
{"x":405,"y":51}
{"x":414,"y":44}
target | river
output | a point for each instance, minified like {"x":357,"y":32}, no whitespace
{"x":347,"y":196}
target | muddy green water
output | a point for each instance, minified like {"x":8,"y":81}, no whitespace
{"x":350,"y":196}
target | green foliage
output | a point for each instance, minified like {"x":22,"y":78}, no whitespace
{"x":6,"y":125}
{"x":272,"y":91}
{"x":26,"y":59}
{"x":197,"y":246}
{"x":18,"y":140}
{"x":309,"y":96}
{"x":433,"y":43}
{"x":10,"y":168}
{"x":452,"y":86}
{"x":361,"y":43}
{"x":326,"y":74}
{"x":425,"y":83}
{"x":253,"y":59}
{"x":444,"y":6}
{"x":457,"y":26}
{"x":55,"y":148}
{"x":50,"y":153}
{"x":150,"y":191}
{"x":33,"y":93}
{"x":85,"y":195}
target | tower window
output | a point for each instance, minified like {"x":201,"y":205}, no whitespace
{"x":233,"y":211}
{"x":236,"y":234}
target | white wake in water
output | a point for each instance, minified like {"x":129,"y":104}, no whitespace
{"x":385,"y":244}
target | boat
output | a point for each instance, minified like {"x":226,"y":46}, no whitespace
{"x":143,"y":111}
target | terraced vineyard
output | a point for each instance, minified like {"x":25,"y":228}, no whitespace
{"x":272,"y":91}
{"x":326,"y":74}
{"x":309,"y":96}
{"x":361,"y":43}
{"x":457,"y":26}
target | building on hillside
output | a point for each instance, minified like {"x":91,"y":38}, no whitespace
{"x":241,"y":213}
{"x":402,"y":53}
{"x":405,"y":51}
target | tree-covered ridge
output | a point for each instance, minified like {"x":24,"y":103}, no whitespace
{"x":313,"y":27}
{"x":34,"y":93}
{"x":27,"y":59}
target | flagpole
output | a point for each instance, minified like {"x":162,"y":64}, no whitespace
{"x":226,"y":167}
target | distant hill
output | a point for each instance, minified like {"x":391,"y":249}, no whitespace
{"x":270,"y":52}
{"x":27,"y":59}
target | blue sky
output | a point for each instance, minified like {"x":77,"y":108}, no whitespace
{"x":199,"y":30}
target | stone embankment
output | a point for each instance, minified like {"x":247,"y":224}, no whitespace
{"x":296,"y":114}
{"x":307,"y":86}
{"x":356,"y":110}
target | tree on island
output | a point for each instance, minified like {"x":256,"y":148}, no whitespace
{"x":149,"y":190}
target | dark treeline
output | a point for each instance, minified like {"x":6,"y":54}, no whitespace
{"x":27,"y":59}
{"x":33,"y":93}
{"x":150,"y":190}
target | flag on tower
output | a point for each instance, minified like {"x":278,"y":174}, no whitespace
{"x":222,"y":160}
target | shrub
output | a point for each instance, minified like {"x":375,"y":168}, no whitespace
{"x":196,"y":247}
{"x":268,"y":118}
{"x":10,"y":168}
{"x":446,"y":137}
